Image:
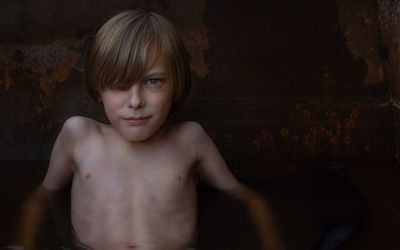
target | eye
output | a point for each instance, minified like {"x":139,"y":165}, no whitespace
{"x":153,"y":81}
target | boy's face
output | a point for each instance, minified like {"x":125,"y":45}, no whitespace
{"x":138,"y":112}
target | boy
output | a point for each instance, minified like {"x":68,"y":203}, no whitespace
{"x":134,"y":180}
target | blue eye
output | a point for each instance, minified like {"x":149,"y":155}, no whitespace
{"x":153,"y":81}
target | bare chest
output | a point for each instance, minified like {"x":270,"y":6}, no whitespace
{"x":153,"y":170}
{"x":136,"y":195}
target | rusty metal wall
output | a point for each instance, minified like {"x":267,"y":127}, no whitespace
{"x":309,"y":80}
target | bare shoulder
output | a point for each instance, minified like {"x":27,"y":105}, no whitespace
{"x":62,"y":161}
{"x":78,"y":122}
{"x":191,"y":127}
{"x":190,"y":131}
{"x":191,"y":137}
{"x":78,"y":126}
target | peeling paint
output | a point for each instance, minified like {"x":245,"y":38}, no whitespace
{"x":309,"y":139}
{"x":41,"y":70}
{"x":196,"y":41}
{"x":322,"y":120}
{"x":335,"y":124}
{"x":51,"y":63}
{"x":389,"y":16}
{"x":256,"y":144}
{"x":7,"y":81}
{"x":285,"y":133}
{"x":266,"y":135}
{"x":360,"y":26}
{"x":43,"y":65}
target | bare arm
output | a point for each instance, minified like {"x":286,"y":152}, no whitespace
{"x":61,"y":165}
{"x":31,"y":218}
{"x":212,"y":168}
{"x":261,"y":216}
{"x":57,"y":177}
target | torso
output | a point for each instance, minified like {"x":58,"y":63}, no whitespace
{"x":128,"y":196}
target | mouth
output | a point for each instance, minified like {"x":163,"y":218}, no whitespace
{"x":137,"y":121}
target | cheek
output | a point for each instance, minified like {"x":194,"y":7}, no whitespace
{"x":111,"y":104}
{"x":164,"y":102}
{"x":113,"y":99}
{"x":109,"y":111}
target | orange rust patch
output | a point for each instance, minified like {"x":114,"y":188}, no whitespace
{"x":323,"y":121}
{"x":266,"y":135}
{"x":8,"y":81}
{"x":196,"y":40}
{"x":257,"y":144}
{"x":52,"y":63}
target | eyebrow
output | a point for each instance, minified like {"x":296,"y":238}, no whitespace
{"x":155,"y":73}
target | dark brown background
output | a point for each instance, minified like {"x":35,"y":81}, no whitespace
{"x":279,"y":85}
{"x":272,"y":80}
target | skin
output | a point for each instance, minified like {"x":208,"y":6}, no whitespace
{"x":134,"y":181}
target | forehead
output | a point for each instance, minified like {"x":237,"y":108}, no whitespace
{"x":156,"y":62}
{"x":152,"y":63}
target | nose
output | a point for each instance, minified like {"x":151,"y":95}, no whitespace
{"x":135,"y":98}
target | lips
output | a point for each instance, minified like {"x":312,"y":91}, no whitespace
{"x":137,"y":121}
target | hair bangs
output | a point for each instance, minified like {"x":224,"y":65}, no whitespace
{"x":126,"y":61}
{"x":127,"y":45}
{"x":130,"y":55}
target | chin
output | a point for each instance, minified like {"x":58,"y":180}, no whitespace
{"x":136,"y":138}
{"x":138,"y":135}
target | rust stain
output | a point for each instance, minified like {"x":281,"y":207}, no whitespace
{"x":288,"y":136}
{"x":335,"y":124}
{"x":389,"y":16}
{"x":8,"y":81}
{"x":324,"y":120}
{"x":43,"y":65}
{"x":257,"y":144}
{"x":263,"y":140}
{"x":321,"y":120}
{"x":41,"y":106}
{"x":285,"y":133}
{"x":309,"y":139}
{"x":361,"y":28}
{"x":52,"y":63}
{"x":196,"y":40}
{"x":327,"y":81}
{"x":347,"y":140}
{"x":39,"y":109}
{"x":266,"y":135}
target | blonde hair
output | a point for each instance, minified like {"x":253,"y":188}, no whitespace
{"x":119,"y":54}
